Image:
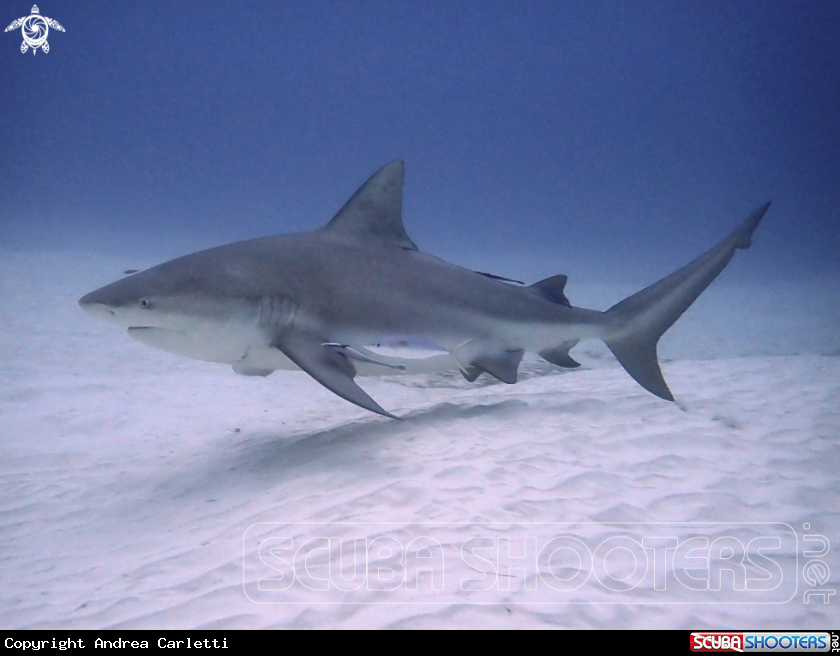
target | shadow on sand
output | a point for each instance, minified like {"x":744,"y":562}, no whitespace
{"x":357,"y":448}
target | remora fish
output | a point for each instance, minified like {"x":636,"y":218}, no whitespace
{"x":315,"y":300}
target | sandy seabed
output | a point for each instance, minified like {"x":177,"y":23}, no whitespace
{"x":142,"y":490}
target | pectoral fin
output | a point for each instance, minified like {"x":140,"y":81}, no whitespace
{"x":329,"y":367}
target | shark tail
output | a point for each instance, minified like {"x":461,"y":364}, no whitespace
{"x":637,"y":322}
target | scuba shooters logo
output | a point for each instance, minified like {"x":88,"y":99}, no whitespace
{"x":749,"y":641}
{"x":35,"y":29}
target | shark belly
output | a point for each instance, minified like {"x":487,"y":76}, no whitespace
{"x":225,"y":346}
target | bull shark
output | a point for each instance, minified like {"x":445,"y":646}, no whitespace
{"x":357,"y":296}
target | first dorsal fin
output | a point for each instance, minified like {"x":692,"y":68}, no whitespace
{"x":376,"y":208}
{"x":552,"y":289}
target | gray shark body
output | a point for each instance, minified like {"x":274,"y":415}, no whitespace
{"x":357,"y":296}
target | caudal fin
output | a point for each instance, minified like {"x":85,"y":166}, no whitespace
{"x":639,"y":321}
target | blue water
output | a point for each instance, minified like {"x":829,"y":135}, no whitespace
{"x":608,"y":141}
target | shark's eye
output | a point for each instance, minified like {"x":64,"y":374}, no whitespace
{"x":144,"y":302}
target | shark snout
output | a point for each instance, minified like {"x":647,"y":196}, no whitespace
{"x":93,"y":303}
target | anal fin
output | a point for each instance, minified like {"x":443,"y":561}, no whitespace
{"x":559,"y":355}
{"x":329,"y":367}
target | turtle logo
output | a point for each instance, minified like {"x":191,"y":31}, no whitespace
{"x":35,"y":29}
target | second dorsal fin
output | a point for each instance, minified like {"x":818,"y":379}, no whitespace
{"x":552,"y":289}
{"x":375,"y":210}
